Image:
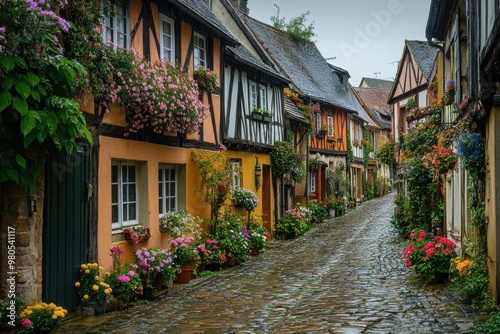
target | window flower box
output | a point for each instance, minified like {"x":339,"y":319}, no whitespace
{"x":137,"y":234}
{"x":257,"y":114}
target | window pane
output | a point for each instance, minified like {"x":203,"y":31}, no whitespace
{"x":114,"y":173}
{"x":160,"y":206}
{"x":114,"y":194}
{"x":172,"y":205}
{"x":131,"y":193}
{"x":124,"y":213}
{"x":114,"y":213}
{"x":132,"y":212}
{"x":131,"y":173}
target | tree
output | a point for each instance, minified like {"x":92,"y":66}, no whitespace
{"x":296,"y":27}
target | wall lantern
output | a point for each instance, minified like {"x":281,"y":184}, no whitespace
{"x":257,"y":173}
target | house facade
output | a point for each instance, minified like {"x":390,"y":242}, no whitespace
{"x":468,"y":36}
{"x":410,"y":90}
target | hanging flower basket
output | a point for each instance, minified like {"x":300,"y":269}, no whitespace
{"x":137,"y":234}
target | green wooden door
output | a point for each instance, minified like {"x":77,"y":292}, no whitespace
{"x":65,"y":226}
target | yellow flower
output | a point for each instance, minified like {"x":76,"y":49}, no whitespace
{"x":107,"y":273}
{"x":77,"y":284}
{"x":54,"y":316}
{"x":101,"y":268}
{"x":85,"y":297}
{"x":83,"y":266}
{"x":96,"y":278}
{"x":95,"y":287}
{"x":463,"y":266}
{"x":52,"y":305}
{"x":107,"y":291}
{"x":87,"y":271}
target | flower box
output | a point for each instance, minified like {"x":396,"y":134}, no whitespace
{"x":320,"y":135}
{"x":137,"y":234}
{"x":256,"y":116}
{"x":267,"y":119}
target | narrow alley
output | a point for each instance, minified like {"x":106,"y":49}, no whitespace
{"x":347,"y":275}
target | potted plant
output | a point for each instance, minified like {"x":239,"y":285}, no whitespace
{"x":245,"y":198}
{"x":10,"y":310}
{"x":257,"y":114}
{"x":137,"y":234}
{"x":42,"y":318}
{"x":92,"y":291}
{"x":178,"y":223}
{"x":210,"y":253}
{"x":206,"y":78}
{"x":295,"y":222}
{"x":152,"y":264}
{"x":449,"y":95}
{"x":429,"y":256}
{"x":315,"y":163}
{"x":440,"y":160}
{"x":185,"y":254}
{"x":257,"y":236}
{"x":126,"y":285}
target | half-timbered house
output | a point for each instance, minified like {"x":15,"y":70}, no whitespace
{"x":410,"y":90}
{"x":318,"y":88}
{"x":253,"y":110}
{"x":133,"y":178}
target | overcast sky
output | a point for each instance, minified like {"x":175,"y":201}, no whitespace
{"x":366,"y":37}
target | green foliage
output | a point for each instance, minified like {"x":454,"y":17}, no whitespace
{"x":318,"y":211}
{"x":385,"y":153}
{"x":125,"y":285}
{"x":38,"y":93}
{"x":336,"y":181}
{"x":230,"y":235}
{"x":10,"y":309}
{"x":492,"y":325}
{"x":283,"y":158}
{"x":350,"y":155}
{"x":295,"y":222}
{"x":296,"y":27}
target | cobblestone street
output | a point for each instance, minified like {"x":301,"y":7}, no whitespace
{"x":347,"y":275}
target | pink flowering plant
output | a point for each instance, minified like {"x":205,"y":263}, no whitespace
{"x":429,"y":255}
{"x":206,"y":78}
{"x":153,"y":263}
{"x":184,"y":251}
{"x":295,"y":222}
{"x":126,"y":285}
{"x":440,"y":160}
{"x":159,"y":96}
{"x":210,"y":252}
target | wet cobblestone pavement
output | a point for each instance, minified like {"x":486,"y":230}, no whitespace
{"x":346,"y":275}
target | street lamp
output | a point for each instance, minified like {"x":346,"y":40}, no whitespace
{"x":257,"y":173}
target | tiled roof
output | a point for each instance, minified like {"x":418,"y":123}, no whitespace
{"x":200,"y":10}
{"x":293,"y":112}
{"x":303,"y":64}
{"x":376,"y":83}
{"x":244,"y":55}
{"x":424,"y":54}
{"x":376,"y":102}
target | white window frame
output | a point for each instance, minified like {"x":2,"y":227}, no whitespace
{"x":253,"y":95}
{"x":165,"y":183}
{"x":199,"y":51}
{"x":121,"y":202}
{"x":163,"y":47}
{"x":331,"y":129}
{"x":236,"y":168}
{"x":111,"y":25}
{"x":318,"y":122}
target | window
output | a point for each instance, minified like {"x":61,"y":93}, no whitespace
{"x":116,"y":28}
{"x":263,"y":97}
{"x":331,"y":130}
{"x":318,"y":122}
{"x":253,"y":96}
{"x":200,"y":51}
{"x":124,"y":202}
{"x":167,"y":38}
{"x":167,"y":189}
{"x":236,"y":166}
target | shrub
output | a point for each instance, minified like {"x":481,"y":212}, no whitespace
{"x":318,"y":211}
{"x":295,"y":222}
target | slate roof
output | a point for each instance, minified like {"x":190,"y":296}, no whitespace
{"x":424,"y":54}
{"x":376,"y":83}
{"x":293,"y":112}
{"x":359,"y":108}
{"x":303,"y":64}
{"x":376,"y":102}
{"x":200,"y":10}
{"x":242,"y":54}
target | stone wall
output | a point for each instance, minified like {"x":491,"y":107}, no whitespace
{"x":15,"y":213}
